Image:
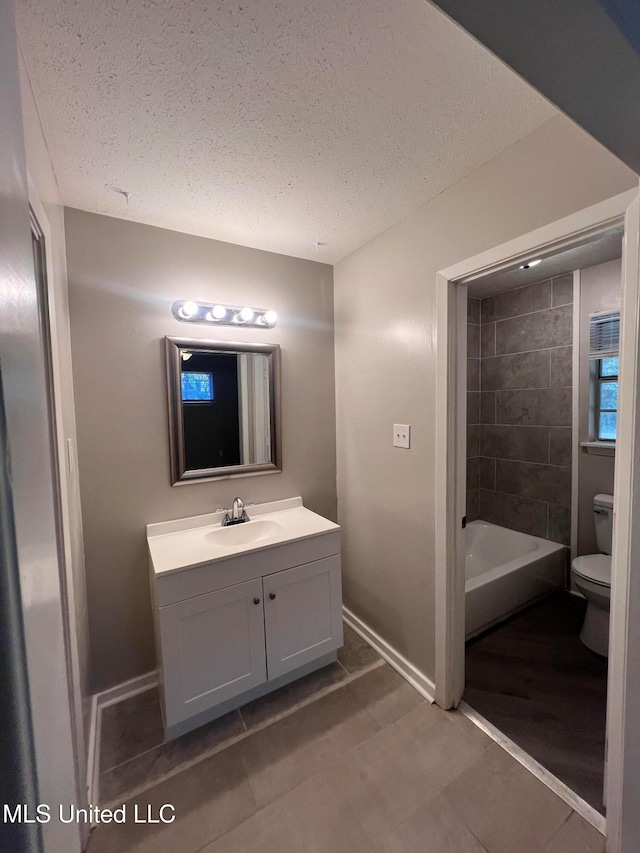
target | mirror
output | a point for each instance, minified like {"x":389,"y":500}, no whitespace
{"x":223,"y":409}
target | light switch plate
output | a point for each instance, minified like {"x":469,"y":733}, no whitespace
{"x":402,"y":435}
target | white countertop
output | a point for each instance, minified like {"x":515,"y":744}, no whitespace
{"x":186,"y":542}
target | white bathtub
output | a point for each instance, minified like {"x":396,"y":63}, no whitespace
{"x":506,"y":570}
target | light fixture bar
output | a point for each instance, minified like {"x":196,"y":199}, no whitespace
{"x":217,"y":314}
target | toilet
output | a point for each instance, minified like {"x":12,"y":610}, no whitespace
{"x":592,"y":576}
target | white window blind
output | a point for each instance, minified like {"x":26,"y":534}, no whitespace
{"x":604,"y":334}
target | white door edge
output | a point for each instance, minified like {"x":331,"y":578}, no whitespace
{"x":63,"y":479}
{"x":623,"y":696}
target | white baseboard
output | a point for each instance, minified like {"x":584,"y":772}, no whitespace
{"x":407,"y":670}
{"x":93,"y":758}
{"x":127,"y":689}
{"x":565,"y":793}
{"x":102,"y":700}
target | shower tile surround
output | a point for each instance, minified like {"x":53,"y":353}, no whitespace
{"x":519,"y":378}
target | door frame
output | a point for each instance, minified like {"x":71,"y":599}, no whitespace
{"x":62,"y":473}
{"x":623,"y":750}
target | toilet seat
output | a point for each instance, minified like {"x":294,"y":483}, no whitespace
{"x":594,"y":567}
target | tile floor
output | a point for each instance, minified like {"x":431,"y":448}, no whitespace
{"x":535,"y":681}
{"x":134,"y":753}
{"x":369,"y":766}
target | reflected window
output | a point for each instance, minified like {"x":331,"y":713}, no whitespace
{"x":197,"y":387}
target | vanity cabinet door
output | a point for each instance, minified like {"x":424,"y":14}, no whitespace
{"x":302,"y":614}
{"x":212,"y":648}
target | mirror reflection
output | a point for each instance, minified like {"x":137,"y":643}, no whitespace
{"x":222,"y":408}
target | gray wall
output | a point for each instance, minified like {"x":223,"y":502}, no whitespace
{"x":473,"y":407}
{"x":600,"y":290}
{"x":123,"y":278}
{"x":526,"y":411}
{"x":385,"y":364}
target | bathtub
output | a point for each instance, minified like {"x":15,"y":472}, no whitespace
{"x":506,"y":570}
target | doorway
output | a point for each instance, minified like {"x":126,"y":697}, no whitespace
{"x":452,"y":283}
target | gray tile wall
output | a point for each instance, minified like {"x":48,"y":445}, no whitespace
{"x":473,"y":407}
{"x":521,"y":459}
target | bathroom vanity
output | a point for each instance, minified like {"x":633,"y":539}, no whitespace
{"x":241,"y":610}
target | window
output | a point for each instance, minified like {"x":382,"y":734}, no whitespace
{"x":197,"y":387}
{"x":604,"y":343}
{"x":607,"y":399}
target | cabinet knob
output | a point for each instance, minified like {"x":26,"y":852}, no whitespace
{"x":272,"y":595}
{"x":256,"y":601}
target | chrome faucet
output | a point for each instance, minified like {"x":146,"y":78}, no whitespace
{"x":236,"y":515}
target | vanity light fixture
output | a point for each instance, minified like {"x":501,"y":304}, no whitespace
{"x":218,"y":312}
{"x":215,"y":314}
{"x":188,"y":310}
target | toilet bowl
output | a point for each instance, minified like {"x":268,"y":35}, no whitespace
{"x":585,"y":572}
{"x":591,"y":575}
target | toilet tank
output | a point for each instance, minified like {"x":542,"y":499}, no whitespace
{"x":603,"y":515}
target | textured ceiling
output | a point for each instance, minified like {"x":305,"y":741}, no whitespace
{"x":277,"y":124}
{"x":606,"y":247}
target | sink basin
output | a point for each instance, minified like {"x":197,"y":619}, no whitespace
{"x":241,"y":535}
{"x":187,"y":542}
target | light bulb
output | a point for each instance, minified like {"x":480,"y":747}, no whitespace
{"x":188,"y":310}
{"x":218,"y":312}
{"x":246,"y":315}
{"x":271,"y":318}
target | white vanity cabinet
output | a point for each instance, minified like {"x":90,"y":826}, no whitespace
{"x":302,"y":615}
{"x":212,"y":648}
{"x":234,"y":628}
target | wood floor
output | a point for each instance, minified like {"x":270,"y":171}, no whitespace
{"x":536,"y":682}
